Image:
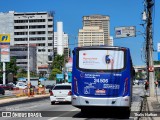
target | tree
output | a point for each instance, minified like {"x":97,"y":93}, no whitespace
{"x":157,"y":71}
{"x":58,"y":62}
{"x":11,"y":67}
{"x":22,"y":73}
{"x":53,"y":74}
{"x":156,"y":62}
{"x":57,"y":65}
{"x":140,"y":75}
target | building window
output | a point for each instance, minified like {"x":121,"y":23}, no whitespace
{"x":49,"y":44}
{"x":50,"y":20}
{"x":50,"y":26}
{"x":50,"y":32}
{"x":50,"y":38}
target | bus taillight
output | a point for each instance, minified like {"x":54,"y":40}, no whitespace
{"x":125,"y":86}
{"x":75,"y":85}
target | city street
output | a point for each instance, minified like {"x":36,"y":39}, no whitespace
{"x":67,"y":111}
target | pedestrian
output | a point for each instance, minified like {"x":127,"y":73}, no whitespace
{"x":156,"y":83}
{"x":31,"y":90}
{"x":146,"y":85}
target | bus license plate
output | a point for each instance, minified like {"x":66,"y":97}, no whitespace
{"x":100,"y":91}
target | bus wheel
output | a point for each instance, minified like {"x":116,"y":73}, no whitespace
{"x":127,"y":112}
{"x":84,"y":111}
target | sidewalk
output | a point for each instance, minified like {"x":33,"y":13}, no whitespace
{"x":153,"y":107}
{"x":7,"y":101}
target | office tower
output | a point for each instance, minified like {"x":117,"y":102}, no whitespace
{"x":39,"y":25}
{"x":95,"y":31}
{"x":61,"y":41}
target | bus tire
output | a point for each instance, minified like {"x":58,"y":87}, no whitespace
{"x":127,"y":112}
{"x":84,"y":111}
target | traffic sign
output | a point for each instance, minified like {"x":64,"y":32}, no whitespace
{"x":125,"y":32}
{"x":59,"y":76}
{"x":5,"y":38}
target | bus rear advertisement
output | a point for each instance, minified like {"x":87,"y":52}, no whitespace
{"x":102,"y":76}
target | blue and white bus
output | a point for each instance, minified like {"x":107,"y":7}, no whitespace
{"x":102,"y":77}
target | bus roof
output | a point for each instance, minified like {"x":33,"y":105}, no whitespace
{"x":102,"y":46}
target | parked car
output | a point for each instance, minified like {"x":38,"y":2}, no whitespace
{"x":3,"y":86}
{"x":61,"y":93}
{"x":2,"y":91}
{"x":11,"y":86}
{"x":6,"y":87}
{"x":21,"y":85}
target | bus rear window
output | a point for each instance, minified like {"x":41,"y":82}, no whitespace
{"x":101,"y":59}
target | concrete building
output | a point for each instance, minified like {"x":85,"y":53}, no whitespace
{"x":102,"y":24}
{"x":40,"y":33}
{"x":7,"y":24}
{"x":21,"y":55}
{"x":61,"y":41}
{"x":90,"y":36}
{"x":111,"y":42}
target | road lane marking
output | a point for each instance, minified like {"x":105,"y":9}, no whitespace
{"x":63,"y":114}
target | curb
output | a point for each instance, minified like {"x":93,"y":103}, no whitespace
{"x":19,"y":100}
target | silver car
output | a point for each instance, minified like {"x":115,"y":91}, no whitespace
{"x":61,"y":93}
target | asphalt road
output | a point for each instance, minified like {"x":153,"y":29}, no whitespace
{"x":58,"y":111}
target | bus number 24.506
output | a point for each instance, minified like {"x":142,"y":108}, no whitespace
{"x":100,"y":80}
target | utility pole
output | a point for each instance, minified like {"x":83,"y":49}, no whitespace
{"x":149,"y":48}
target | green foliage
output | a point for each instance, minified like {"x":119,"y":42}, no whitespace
{"x":157,"y":71}
{"x":53,"y":74}
{"x":156,"y":62}
{"x":11,"y":67}
{"x":23,"y":73}
{"x":57,"y":65}
{"x":157,"y":75}
{"x":139,"y":75}
{"x":58,"y":62}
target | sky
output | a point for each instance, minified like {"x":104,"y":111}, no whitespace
{"x":121,"y":13}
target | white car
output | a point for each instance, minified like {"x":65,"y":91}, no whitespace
{"x":21,"y":85}
{"x":61,"y":93}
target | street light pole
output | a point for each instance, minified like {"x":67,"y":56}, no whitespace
{"x":149,"y":48}
{"x":28,"y":71}
{"x":28,"y":53}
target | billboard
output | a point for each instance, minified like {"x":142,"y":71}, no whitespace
{"x":121,"y":32}
{"x":4,"y":52}
{"x":4,"y":38}
{"x":60,"y":76}
{"x":4,"y":47}
{"x":101,"y":59}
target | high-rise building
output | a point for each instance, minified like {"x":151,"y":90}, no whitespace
{"x":61,"y":41}
{"x":90,"y":36}
{"x":111,"y":43}
{"x":96,"y":27}
{"x":21,"y":55}
{"x":39,"y":25}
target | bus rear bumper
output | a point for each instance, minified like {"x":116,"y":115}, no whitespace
{"x":78,"y":101}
